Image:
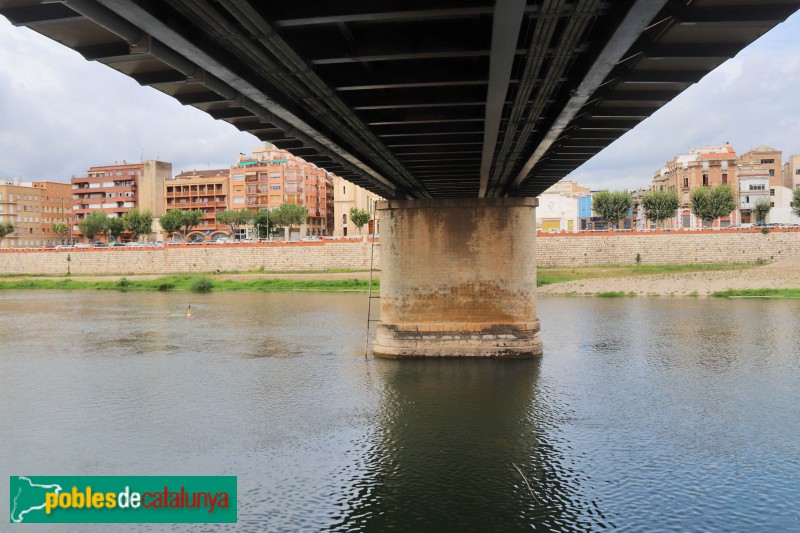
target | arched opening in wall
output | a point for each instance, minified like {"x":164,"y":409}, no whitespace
{"x":219,"y":235}
{"x":195,"y":236}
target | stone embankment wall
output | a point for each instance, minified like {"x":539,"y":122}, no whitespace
{"x":185,"y":259}
{"x":666,"y":248}
{"x":552,"y":250}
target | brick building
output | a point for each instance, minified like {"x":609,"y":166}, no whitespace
{"x":769,"y":159}
{"x":19,"y":205}
{"x":707,"y":166}
{"x":791,"y":172}
{"x":55,"y":202}
{"x":115,"y":189}
{"x":271,"y":177}
{"x":206,"y":190}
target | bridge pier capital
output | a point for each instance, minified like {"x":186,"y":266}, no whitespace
{"x":458,"y":278}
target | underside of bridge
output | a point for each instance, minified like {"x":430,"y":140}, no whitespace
{"x":422,"y":101}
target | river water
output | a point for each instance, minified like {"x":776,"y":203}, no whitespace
{"x":643,"y":414}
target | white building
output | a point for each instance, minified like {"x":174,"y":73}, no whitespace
{"x":557,"y":213}
{"x":753,"y":188}
{"x":558,"y":207}
{"x":781,"y":212}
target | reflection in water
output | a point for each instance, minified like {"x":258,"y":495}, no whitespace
{"x":454,"y":440}
{"x":644,"y":414}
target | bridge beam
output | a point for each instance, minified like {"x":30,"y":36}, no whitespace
{"x":458,"y":278}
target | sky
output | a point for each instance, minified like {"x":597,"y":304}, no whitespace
{"x":61,"y":114}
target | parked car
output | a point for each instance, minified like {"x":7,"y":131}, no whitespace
{"x":310,"y":238}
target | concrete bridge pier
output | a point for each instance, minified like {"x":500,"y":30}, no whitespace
{"x":458,"y":278}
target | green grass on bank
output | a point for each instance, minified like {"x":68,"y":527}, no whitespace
{"x":758,"y":293}
{"x":264,"y":271}
{"x":193,"y":283}
{"x":545,"y":276}
{"x":548,"y":275}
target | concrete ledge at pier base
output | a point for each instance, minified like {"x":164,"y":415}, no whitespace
{"x":518,"y":340}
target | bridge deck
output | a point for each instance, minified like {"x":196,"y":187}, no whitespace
{"x":420,"y":98}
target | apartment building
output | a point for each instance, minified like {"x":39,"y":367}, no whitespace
{"x":707,"y":166}
{"x":754,"y":187}
{"x":19,"y":205}
{"x":791,"y":172}
{"x":347,"y":196}
{"x":271,"y":177}
{"x":55,"y":202}
{"x":206,"y":190}
{"x":33,"y":208}
{"x":766,"y":158}
{"x":115,"y":189}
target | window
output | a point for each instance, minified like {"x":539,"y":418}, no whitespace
{"x":344,"y":188}
{"x":238,"y":177}
{"x":275,"y":187}
{"x":238,"y":200}
{"x":767,"y":161}
{"x":772,"y":204}
{"x":772,"y":172}
{"x":747,"y":199}
{"x":724,"y":179}
{"x":686,"y":182}
{"x":796,"y":172}
{"x":344,"y":220}
{"x":772,"y":193}
{"x":705,"y":180}
{"x":705,"y":165}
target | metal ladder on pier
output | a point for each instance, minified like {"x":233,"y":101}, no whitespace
{"x":372,"y":271}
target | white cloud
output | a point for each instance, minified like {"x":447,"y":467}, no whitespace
{"x":748,"y":101}
{"x":60,"y":114}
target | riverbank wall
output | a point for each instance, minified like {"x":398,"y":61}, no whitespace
{"x":552,"y":250}
{"x":311,"y":256}
{"x":666,"y":248}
